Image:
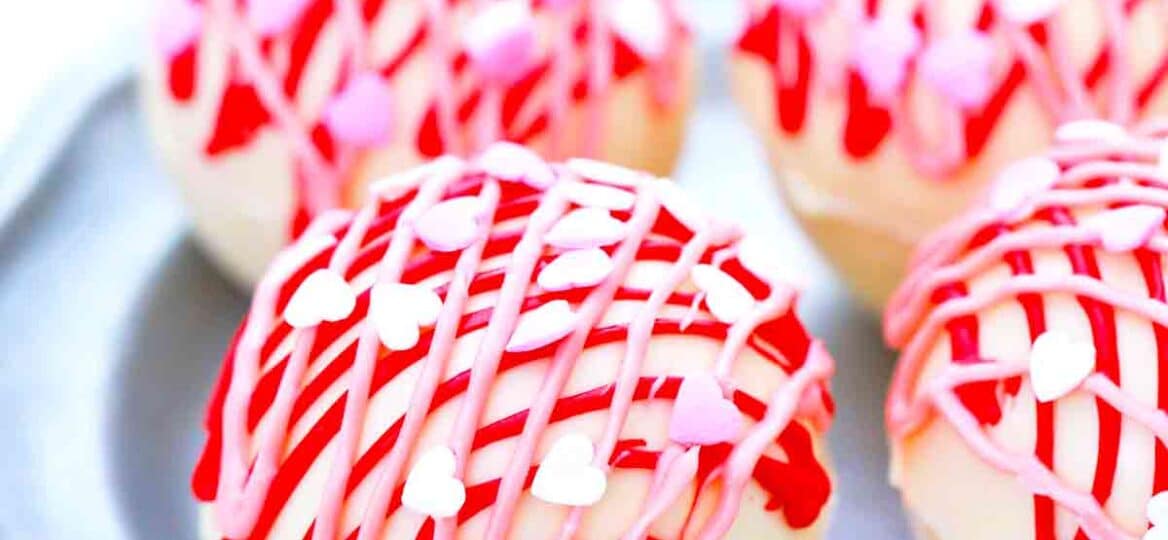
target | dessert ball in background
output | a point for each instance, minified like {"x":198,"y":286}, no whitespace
{"x":510,"y":349}
{"x":269,"y":112}
{"x":883,"y":119}
{"x":1030,"y":396}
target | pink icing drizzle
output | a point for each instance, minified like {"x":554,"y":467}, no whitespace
{"x":241,"y":496}
{"x":1124,"y":177}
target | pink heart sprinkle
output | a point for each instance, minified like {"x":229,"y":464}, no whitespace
{"x":451,"y":225}
{"x":1021,"y":181}
{"x":500,"y":40}
{"x":701,"y":415}
{"x":560,"y":4}
{"x":802,"y":8}
{"x":270,"y":17}
{"x":1127,"y":228}
{"x":599,"y":196}
{"x":959,"y":65}
{"x":578,"y":268}
{"x":362,"y":114}
{"x":542,"y":326}
{"x":178,"y":25}
{"x":1027,"y":12}
{"x":642,"y":25}
{"x":586,"y":228}
{"x":882,"y":50}
{"x":514,"y":163}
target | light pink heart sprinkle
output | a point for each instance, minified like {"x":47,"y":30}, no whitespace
{"x":362,"y":114}
{"x":680,"y":205}
{"x":514,"y":163}
{"x":701,"y":414}
{"x":1127,"y":228}
{"x":451,"y":225}
{"x":178,"y":25}
{"x":958,"y":66}
{"x":802,"y":8}
{"x":607,"y":173}
{"x":500,"y":40}
{"x":560,"y":4}
{"x":599,"y":196}
{"x":1089,"y":131}
{"x":270,"y":17}
{"x":727,"y":299}
{"x":642,"y":25}
{"x":1019,"y":182}
{"x":542,"y":326}
{"x":578,"y":268}
{"x":881,"y":53}
{"x":586,"y":228}
{"x":1027,"y":12}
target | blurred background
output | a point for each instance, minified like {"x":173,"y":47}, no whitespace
{"x":114,"y":323}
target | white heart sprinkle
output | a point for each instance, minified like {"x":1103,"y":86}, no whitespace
{"x":452,"y":224}
{"x":431,"y":488}
{"x":600,"y":171}
{"x":1156,"y":533}
{"x":1127,"y":228}
{"x":679,"y":204}
{"x":323,"y":296}
{"x":1089,"y":131}
{"x":577,"y":268}
{"x":514,"y":163}
{"x":586,"y":228}
{"x":1020,"y":181}
{"x":1059,"y":363}
{"x":726,"y":298}
{"x":398,"y":311}
{"x":542,"y":326}
{"x":1027,"y":12}
{"x":642,"y":24}
{"x":761,"y":258}
{"x":566,"y":475}
{"x":599,"y":196}
{"x":1157,"y":509}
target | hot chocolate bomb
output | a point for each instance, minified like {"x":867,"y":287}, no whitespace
{"x":507,"y":349}
{"x":885,"y":119}
{"x":1030,"y":397}
{"x":269,"y":112}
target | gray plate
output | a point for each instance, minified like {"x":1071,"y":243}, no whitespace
{"x":114,"y":327}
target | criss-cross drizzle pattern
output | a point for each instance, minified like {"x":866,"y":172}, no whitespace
{"x":978,"y":73}
{"x":290,"y":398}
{"x":1081,"y":219}
{"x":268,"y":71}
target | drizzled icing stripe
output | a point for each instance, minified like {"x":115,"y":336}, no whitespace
{"x":383,"y":241}
{"x":1039,"y":58}
{"x":264,"y":86}
{"x":1116,"y":174}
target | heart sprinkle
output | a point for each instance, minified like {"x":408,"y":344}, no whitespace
{"x":958,"y":66}
{"x":1127,"y":228}
{"x":1089,"y":131}
{"x":1059,"y":363}
{"x":802,"y":8}
{"x":399,"y":311}
{"x":600,"y":171}
{"x":577,"y":268}
{"x":882,"y":51}
{"x":362,"y":113}
{"x":323,"y":296}
{"x":514,"y":163}
{"x":542,"y":326}
{"x":431,"y":488}
{"x":271,"y":17}
{"x":500,"y":40}
{"x":451,"y":225}
{"x":727,"y":299}
{"x":642,"y":25}
{"x":178,"y":26}
{"x":566,"y":475}
{"x":1019,"y":182}
{"x":599,"y":196}
{"x":761,"y":258}
{"x":1027,"y":12}
{"x":586,"y":228}
{"x":701,"y":414}
{"x":680,"y":205}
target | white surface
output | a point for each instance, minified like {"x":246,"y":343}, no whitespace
{"x":115,"y":326}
